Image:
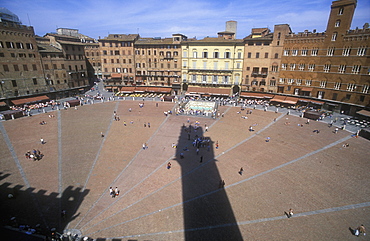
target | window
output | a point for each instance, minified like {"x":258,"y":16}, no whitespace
{"x":361,"y":51}
{"x":298,"y":82}
{"x":365,"y":89}
{"x":327,"y":68}
{"x":19,"y":45}
{"x":283,"y":66}
{"x":320,"y":94}
{"x":292,"y":66}
{"x":9,"y":45}
{"x":311,"y":67}
{"x":290,"y":81}
{"x":342,"y":69}
{"x":112,"y":61}
{"x":16,"y":68}
{"x":14,"y":83}
{"x":238,"y":65}
{"x":337,"y":85}
{"x":194,"y":64}
{"x":351,"y":87}
{"x":308,"y":82}
{"x":255,"y":70}
{"x":204,"y":78}
{"x":266,"y":55}
{"x":116,"y":52}
{"x":194,"y":78}
{"x":304,"y":52}
{"x":294,"y":52}
{"x":337,"y":23}
{"x":216,"y":55}
{"x":239,"y":55}
{"x":301,"y":67}
{"x":34,"y":67}
{"x":204,"y":64}
{"x":340,"y":12}
{"x":34,"y":81}
{"x":226,"y":65}
{"x":346,"y":51}
{"x":25,"y":67}
{"x":274,"y":68}
{"x":104,"y":52}
{"x":227,"y":55}
{"x":257,"y":55}
{"x":356,"y":69}
{"x":215,"y":79}
{"x":205,"y":55}
{"x":286,"y":52}
{"x":314,"y":51}
{"x":281,"y":80}
{"x":215,"y":65}
{"x":335,"y":96}
{"x":54,"y":66}
{"x":330,"y":51}
{"x":195,"y":54}
{"x":334,"y":36}
{"x":323,"y":84}
{"x":29,"y":46}
{"x":272,"y":82}
{"x":276,"y":56}
{"x":184,"y":64}
{"x":226,"y":79}
{"x":249,"y":55}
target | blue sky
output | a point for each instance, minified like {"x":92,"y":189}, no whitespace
{"x":162,"y":18}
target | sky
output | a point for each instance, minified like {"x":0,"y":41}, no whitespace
{"x":162,"y":18}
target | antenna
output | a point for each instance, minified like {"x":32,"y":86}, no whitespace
{"x":29,"y":22}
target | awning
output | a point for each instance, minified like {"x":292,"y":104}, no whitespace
{"x":30,"y":100}
{"x":140,"y":89}
{"x":255,"y":95}
{"x":2,"y":103}
{"x":278,"y":98}
{"x":364,"y":113}
{"x":165,"y":90}
{"x":291,"y":100}
{"x":127,"y":89}
{"x":308,"y":89}
{"x":115,"y":75}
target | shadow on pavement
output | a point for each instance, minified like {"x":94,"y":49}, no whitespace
{"x":206,"y":217}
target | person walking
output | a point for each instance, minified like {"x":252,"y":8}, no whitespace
{"x":241,"y":171}
{"x":111,"y":192}
{"x":116,"y":192}
{"x":169,"y":165}
{"x":42,"y":141}
{"x":201,"y":159}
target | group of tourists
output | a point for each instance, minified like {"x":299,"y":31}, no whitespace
{"x":35,"y":155}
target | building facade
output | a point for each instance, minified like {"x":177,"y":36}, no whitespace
{"x":118,"y":60}
{"x":73,"y":50}
{"x":21,"y":69}
{"x":212,"y":66}
{"x":262,"y":56}
{"x":158,"y":61}
{"x":332,"y":66}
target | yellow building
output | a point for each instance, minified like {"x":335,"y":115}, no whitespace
{"x":212,"y":66}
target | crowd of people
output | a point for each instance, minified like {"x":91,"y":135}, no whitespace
{"x":35,"y":155}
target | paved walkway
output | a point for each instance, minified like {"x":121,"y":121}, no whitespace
{"x":297,"y":168}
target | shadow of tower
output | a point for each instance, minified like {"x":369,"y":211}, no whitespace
{"x":208,"y":214}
